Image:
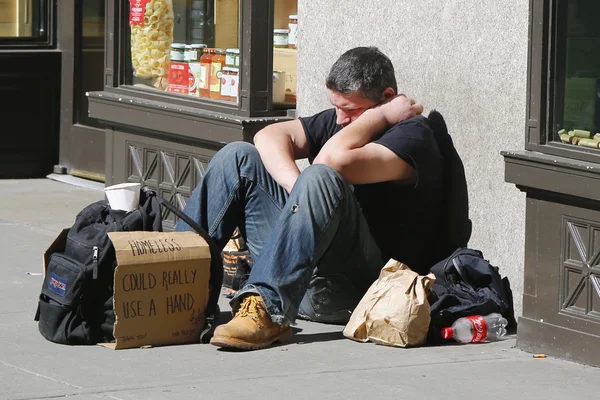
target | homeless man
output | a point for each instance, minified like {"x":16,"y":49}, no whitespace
{"x":320,"y":237}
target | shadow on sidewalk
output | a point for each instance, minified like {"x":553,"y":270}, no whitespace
{"x":297,"y":338}
{"x":300,"y":338}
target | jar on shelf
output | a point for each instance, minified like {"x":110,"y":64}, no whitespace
{"x":225,"y":83}
{"x":280,"y":38}
{"x":186,"y":53}
{"x":178,"y":69}
{"x":177,"y":52}
{"x":293,"y":25}
{"x":232,"y":57}
{"x":196,"y":52}
{"x":195,"y":68}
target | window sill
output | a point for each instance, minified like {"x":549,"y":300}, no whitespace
{"x":163,"y":117}
{"x":532,"y":170}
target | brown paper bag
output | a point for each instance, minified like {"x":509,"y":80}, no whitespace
{"x":395,"y":310}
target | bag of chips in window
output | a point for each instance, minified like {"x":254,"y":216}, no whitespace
{"x":151,"y":24}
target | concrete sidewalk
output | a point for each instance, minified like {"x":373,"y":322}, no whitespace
{"x":319,"y":363}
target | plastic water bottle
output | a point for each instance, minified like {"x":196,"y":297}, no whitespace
{"x":476,"y":328}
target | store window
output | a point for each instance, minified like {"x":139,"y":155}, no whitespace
{"x":24,"y":21}
{"x":575,"y":87}
{"x":89,"y":56}
{"x":187,"y":48}
{"x":285,"y":35}
{"x":192,"y":49}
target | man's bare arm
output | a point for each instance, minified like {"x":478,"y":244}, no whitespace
{"x":351,"y":153}
{"x":279,"y":145}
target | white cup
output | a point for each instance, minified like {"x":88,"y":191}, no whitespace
{"x":124,"y":196}
{"x":278,"y":86}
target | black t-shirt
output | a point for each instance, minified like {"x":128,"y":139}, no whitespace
{"x":403,"y":218}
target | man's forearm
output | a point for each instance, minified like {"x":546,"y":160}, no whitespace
{"x":277,"y":154}
{"x":370,"y":125}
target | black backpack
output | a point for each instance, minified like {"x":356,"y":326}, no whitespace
{"x":76,"y":301}
{"x":467,"y":284}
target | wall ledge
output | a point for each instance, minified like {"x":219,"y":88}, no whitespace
{"x":533,"y":170}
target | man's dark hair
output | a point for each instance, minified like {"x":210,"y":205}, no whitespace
{"x":365,"y":70}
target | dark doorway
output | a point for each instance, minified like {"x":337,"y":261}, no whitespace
{"x":30,"y":86}
{"x":81,"y":39}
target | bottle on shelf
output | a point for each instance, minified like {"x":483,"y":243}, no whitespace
{"x":195,"y":70}
{"x":476,"y":328}
{"x":216,"y":72}
{"x":204,"y":77}
{"x":293,"y":29}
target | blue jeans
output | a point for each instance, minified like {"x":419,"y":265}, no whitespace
{"x":314,"y":256}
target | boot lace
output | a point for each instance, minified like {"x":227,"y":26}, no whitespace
{"x":251,"y":307}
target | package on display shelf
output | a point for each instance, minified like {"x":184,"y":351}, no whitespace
{"x":151,"y":23}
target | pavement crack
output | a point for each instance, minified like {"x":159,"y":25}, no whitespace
{"x":40,"y":375}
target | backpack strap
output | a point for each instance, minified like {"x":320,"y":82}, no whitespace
{"x":216,"y":268}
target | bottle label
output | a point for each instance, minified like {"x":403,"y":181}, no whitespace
{"x":292,"y":34}
{"x":230,"y":59}
{"x":178,"y":78}
{"x":225,"y":85}
{"x":215,"y":77}
{"x":280,"y":39}
{"x":234,"y":86}
{"x":195,"y":71}
{"x":203,"y":82}
{"x":480,"y":328}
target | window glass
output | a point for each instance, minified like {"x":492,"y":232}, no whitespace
{"x":89,"y":56}
{"x":576,"y":108}
{"x":22,"y":18}
{"x":92,"y":19}
{"x":187,"y":48}
{"x":285,"y":35}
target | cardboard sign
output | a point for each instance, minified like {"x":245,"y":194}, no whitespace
{"x":161,"y":288}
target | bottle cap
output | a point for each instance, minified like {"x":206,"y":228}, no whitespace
{"x":447,"y":333}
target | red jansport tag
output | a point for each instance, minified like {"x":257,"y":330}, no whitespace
{"x":480,"y":328}
{"x":137,"y":9}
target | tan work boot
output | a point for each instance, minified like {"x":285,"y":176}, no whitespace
{"x":251,"y":328}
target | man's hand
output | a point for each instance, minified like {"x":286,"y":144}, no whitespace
{"x":397,"y":109}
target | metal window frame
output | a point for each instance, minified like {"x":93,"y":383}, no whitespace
{"x":256,"y":71}
{"x":540,"y":86}
{"x":47,"y":41}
